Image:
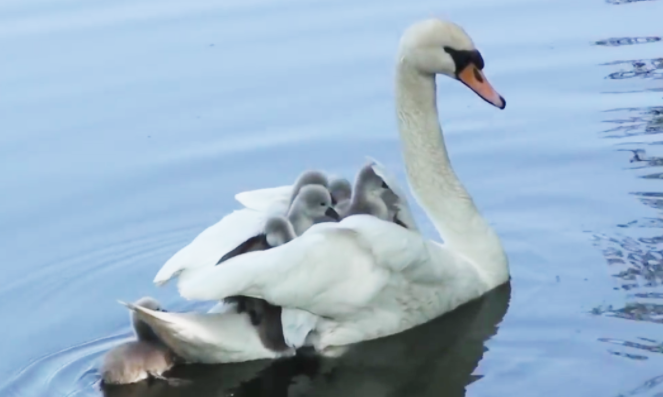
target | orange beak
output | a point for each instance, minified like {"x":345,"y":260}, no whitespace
{"x":472,"y":77}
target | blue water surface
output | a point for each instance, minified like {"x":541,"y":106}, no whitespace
{"x":127,"y":126}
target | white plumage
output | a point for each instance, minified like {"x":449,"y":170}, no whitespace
{"x":364,"y":278}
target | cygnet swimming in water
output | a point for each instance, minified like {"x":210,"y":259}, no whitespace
{"x":312,"y":205}
{"x":141,"y":359}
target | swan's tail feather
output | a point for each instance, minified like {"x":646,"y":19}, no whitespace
{"x":148,"y":315}
{"x":212,"y":244}
{"x":208,"y":338}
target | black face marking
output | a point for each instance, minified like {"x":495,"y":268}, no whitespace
{"x":384,"y":185}
{"x":462,"y":58}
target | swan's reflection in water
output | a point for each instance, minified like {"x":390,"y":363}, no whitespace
{"x":434,"y":359}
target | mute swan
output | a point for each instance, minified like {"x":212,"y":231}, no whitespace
{"x":361,"y":278}
{"x":134,"y":361}
{"x":364,"y":278}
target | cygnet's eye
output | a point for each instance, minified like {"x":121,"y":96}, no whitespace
{"x":384,"y":185}
{"x":323,"y":204}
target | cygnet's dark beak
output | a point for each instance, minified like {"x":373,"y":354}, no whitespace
{"x":332,"y":214}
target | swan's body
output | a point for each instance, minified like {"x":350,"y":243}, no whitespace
{"x":312,"y":204}
{"x":364,"y":278}
{"x":236,"y":228}
{"x":138,"y":360}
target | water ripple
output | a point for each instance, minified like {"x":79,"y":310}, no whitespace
{"x":619,"y":41}
{"x":617,"y":2}
{"x":68,"y":372}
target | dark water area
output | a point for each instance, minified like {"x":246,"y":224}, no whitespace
{"x":128,"y":126}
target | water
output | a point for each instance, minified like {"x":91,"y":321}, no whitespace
{"x":127,"y":127}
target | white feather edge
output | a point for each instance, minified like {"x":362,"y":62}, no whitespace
{"x":404,"y":213}
{"x":212,"y":243}
{"x":207,"y":338}
{"x":270,"y":200}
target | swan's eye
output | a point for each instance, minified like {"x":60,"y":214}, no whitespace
{"x":384,"y":185}
{"x":323,"y":204}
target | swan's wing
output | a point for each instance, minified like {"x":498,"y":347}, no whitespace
{"x":213,"y":243}
{"x":254,"y":243}
{"x":404,"y":214}
{"x":223,"y":307}
{"x":273,"y":199}
{"x":206,"y":338}
{"x":333,"y":269}
{"x":296,"y":326}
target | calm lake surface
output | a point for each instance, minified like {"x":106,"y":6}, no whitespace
{"x":127,"y":126}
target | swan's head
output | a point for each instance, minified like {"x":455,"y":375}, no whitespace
{"x":434,"y":46}
{"x":314,"y":202}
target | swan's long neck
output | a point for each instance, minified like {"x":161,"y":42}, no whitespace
{"x":432,"y":178}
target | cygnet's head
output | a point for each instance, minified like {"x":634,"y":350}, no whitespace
{"x":278,"y":231}
{"x":309,"y":178}
{"x":340,"y":190}
{"x":368,"y":184}
{"x":314,"y":202}
{"x":433,"y":46}
{"x":142,"y":330}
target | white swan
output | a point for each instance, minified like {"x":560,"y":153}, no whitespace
{"x":365,"y":278}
